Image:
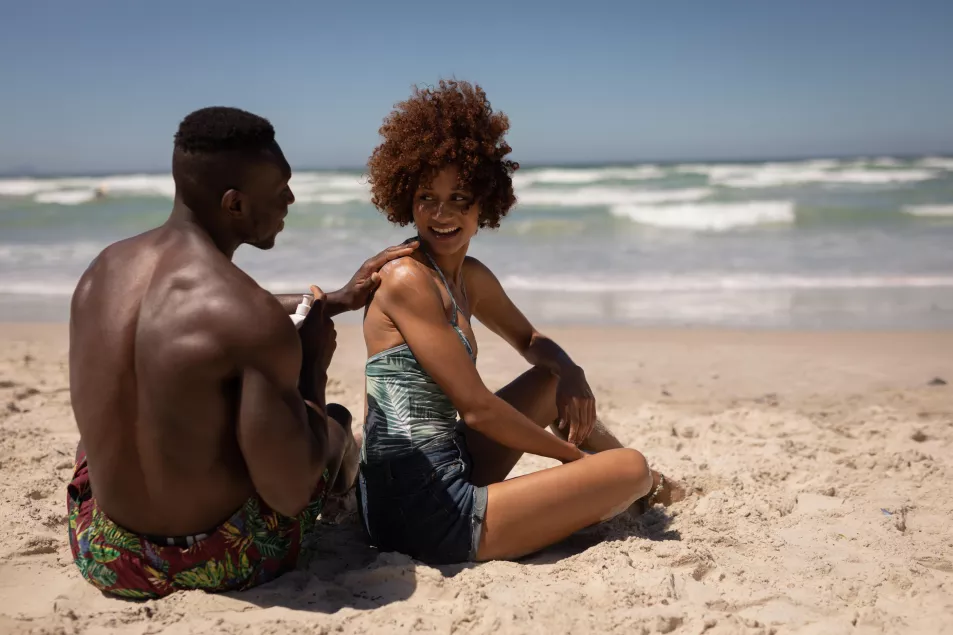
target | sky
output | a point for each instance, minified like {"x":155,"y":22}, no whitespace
{"x":92,"y":87}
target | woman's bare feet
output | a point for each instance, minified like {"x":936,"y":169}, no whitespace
{"x":601,"y":440}
{"x":664,"y":492}
{"x":670,"y":492}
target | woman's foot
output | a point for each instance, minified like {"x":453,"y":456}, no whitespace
{"x":664,"y":492}
{"x":670,"y":492}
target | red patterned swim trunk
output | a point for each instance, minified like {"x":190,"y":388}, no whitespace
{"x":254,"y":546}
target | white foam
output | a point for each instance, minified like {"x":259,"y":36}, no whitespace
{"x":773,"y":177}
{"x":25,"y":187}
{"x":829,"y":171}
{"x":942,"y":163}
{"x":332,"y":198}
{"x":720,"y":282}
{"x":74,"y":191}
{"x":768,"y":177}
{"x":709,"y":216}
{"x":328,"y":187}
{"x":606,"y":195}
{"x":578,"y":176}
{"x":66,"y":197}
{"x":37,"y":288}
{"x":82,"y":252}
{"x":929,"y":210}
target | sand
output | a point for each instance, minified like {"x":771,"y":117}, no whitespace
{"x":820,"y":467}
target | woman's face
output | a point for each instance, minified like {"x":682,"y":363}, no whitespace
{"x":445,"y":213}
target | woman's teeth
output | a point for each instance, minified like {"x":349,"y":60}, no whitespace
{"x":444,"y":232}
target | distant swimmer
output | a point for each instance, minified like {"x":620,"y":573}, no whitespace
{"x":101,"y":191}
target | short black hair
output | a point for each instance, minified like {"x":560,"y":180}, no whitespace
{"x":223,"y":129}
{"x":214,"y":149}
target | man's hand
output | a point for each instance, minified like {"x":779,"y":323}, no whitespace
{"x":575,"y":404}
{"x":354,"y":294}
{"x":318,"y":343}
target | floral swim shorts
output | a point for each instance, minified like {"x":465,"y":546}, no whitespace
{"x":254,"y":546}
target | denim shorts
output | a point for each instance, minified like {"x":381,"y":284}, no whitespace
{"x":423,"y":504}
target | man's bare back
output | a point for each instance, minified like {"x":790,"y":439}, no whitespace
{"x":155,"y":380}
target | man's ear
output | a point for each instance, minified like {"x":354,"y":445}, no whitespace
{"x":232,"y":203}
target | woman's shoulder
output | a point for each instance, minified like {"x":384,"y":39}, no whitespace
{"x":402,"y":275}
{"x":472,"y":266}
{"x":400,"y":269}
{"x":476,"y":273}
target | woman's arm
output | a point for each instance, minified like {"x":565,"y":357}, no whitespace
{"x":410,"y":298}
{"x":493,"y":308}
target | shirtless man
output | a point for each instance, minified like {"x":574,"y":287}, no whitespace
{"x":207,"y":449}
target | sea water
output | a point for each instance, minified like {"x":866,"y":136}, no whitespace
{"x":824,"y":243}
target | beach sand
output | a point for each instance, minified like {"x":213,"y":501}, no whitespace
{"x":820,"y":467}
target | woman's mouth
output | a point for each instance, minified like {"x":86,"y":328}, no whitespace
{"x":443,"y":233}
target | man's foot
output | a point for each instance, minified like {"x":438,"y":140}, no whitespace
{"x":340,"y":414}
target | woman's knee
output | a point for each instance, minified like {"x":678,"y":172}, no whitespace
{"x":632,"y":468}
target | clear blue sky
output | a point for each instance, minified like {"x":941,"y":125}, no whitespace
{"x":101,"y":86}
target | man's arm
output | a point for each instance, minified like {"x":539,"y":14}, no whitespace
{"x":355,"y":293}
{"x":409,"y":297}
{"x":337,"y":302}
{"x":493,"y":308}
{"x":286,"y":445}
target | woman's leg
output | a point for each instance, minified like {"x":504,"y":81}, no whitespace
{"x":531,"y":512}
{"x":534,"y":394}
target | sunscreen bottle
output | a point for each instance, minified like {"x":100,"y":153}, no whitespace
{"x":302,"y":311}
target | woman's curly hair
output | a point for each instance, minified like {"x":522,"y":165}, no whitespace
{"x":449,"y":125}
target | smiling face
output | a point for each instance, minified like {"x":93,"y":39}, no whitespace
{"x":445,"y":212}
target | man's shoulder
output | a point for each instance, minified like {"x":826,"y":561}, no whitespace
{"x":228,"y":306}
{"x":210,"y":305}
{"x":114,"y":270}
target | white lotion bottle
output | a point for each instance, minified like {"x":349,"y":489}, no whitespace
{"x":302,"y":311}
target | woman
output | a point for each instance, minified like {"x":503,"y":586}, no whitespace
{"x":437,"y":443}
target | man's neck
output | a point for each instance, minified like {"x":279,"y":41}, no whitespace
{"x":184,"y":216}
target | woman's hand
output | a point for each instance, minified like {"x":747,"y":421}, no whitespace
{"x":575,"y":404}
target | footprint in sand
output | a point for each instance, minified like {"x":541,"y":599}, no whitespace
{"x":26,"y":394}
{"x":37,"y":545}
{"x":939,"y":564}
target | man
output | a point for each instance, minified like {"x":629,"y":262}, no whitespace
{"x":207,"y":449}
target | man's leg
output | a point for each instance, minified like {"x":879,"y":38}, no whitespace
{"x":345,"y":468}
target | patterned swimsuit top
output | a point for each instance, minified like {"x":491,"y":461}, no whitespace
{"x":405,"y":406}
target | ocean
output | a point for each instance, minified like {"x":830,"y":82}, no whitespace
{"x":825,"y":243}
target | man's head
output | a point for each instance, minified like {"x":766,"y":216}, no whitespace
{"x":229,"y":170}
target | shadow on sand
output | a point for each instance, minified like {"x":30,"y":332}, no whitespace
{"x":652,"y":525}
{"x":345,"y":572}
